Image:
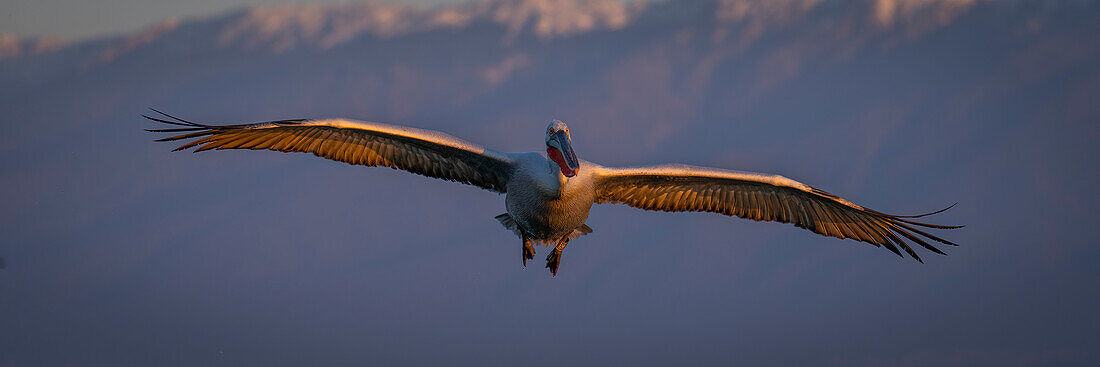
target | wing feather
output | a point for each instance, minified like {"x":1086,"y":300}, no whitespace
{"x":423,"y":152}
{"x":761,"y":197}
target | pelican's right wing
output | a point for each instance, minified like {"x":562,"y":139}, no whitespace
{"x":423,"y":152}
{"x":679,"y":188}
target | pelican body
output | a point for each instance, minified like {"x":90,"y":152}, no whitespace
{"x":548,"y":195}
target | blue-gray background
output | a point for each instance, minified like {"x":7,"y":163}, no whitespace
{"x":119,"y":252}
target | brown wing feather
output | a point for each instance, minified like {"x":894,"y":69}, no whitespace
{"x":678,"y":188}
{"x":355,"y":143}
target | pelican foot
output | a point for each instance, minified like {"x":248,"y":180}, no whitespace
{"x":552,"y":261}
{"x":528,"y":253}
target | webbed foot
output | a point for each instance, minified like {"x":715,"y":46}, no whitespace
{"x":553,"y":259}
{"x":528,"y":252}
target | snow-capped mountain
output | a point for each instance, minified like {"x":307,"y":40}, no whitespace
{"x":461,"y":55}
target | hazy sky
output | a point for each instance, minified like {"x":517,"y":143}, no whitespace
{"x":120,"y":252}
{"x":73,"y":19}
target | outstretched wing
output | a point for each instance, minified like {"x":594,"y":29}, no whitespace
{"x":680,"y":188}
{"x":423,"y":152}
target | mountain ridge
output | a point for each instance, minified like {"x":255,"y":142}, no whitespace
{"x":286,"y":27}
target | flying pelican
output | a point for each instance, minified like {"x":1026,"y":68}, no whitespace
{"x":548,"y":196}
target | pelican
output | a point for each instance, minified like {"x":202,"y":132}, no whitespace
{"x":548,"y":195}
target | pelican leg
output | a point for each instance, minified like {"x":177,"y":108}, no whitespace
{"x":554,"y":258}
{"x":528,"y":250}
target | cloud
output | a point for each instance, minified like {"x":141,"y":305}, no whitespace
{"x":918,"y":16}
{"x":12,"y":46}
{"x":496,"y":74}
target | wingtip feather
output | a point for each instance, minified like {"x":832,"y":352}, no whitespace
{"x":927,"y":214}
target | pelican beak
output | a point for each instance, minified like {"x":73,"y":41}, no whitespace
{"x":560,"y":149}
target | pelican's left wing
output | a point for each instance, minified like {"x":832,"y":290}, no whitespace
{"x":680,"y":188}
{"x":423,"y":152}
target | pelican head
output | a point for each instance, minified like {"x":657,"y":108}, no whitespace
{"x":559,"y":147}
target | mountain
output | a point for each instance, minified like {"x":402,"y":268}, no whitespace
{"x":120,"y":252}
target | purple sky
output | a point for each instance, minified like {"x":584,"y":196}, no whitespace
{"x":120,"y":252}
